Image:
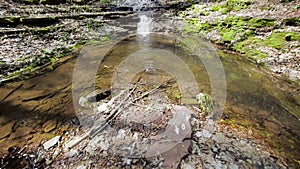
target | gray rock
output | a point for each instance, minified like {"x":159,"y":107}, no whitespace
{"x":90,"y":150}
{"x":187,"y":166}
{"x":206,"y":134}
{"x":72,"y":153}
{"x":84,"y":102}
{"x":82,"y":167}
{"x":233,"y":166}
{"x":50,"y":143}
{"x":40,"y":156}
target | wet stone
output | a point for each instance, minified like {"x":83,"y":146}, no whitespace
{"x":206,"y":134}
{"x":49,"y":126}
{"x":173,"y":156}
{"x":20,"y":132}
{"x":98,"y":95}
{"x":84,"y":102}
{"x":6,"y":129}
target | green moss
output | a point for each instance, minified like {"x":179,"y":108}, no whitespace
{"x":16,"y":73}
{"x":78,"y":45}
{"x":204,"y":13}
{"x":245,"y":22}
{"x":28,"y":68}
{"x":256,"y":54}
{"x":106,"y":38}
{"x":233,"y":25}
{"x":278,"y":39}
{"x":203,"y":27}
{"x":11,"y":20}
{"x":240,"y":31}
{"x":196,"y":10}
{"x":177,"y":95}
{"x":231,"y":5}
{"x":50,"y":68}
{"x":193,"y":26}
{"x":246,"y":43}
{"x":220,"y":8}
{"x":28,"y":1}
{"x":260,"y":22}
{"x":229,"y":36}
{"x":248,"y":48}
{"x":295,"y":8}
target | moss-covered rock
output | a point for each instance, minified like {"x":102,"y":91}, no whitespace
{"x":231,"y":5}
{"x":260,"y":22}
{"x":278,"y":39}
{"x":229,"y":36}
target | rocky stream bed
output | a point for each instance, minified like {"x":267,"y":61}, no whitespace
{"x":40,"y":43}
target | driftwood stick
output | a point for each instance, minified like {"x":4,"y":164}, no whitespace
{"x":112,"y":115}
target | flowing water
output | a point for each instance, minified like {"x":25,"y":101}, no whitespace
{"x":34,"y":110}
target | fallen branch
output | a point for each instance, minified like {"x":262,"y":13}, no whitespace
{"x":118,"y":110}
{"x":74,"y":142}
{"x":114,"y":113}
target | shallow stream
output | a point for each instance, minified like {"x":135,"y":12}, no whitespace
{"x":35,"y":110}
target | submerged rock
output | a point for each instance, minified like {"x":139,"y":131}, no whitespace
{"x":84,"y":102}
{"x":49,"y":125}
{"x":98,"y":95}
{"x":6,"y":129}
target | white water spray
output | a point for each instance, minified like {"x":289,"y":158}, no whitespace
{"x":145,"y":25}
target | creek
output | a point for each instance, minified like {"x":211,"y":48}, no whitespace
{"x":35,"y":110}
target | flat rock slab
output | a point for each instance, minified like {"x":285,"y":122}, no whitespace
{"x":6,"y":129}
{"x":50,"y":143}
{"x":21,"y":132}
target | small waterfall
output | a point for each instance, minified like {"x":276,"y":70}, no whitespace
{"x":137,"y":5}
{"x":145,"y":25}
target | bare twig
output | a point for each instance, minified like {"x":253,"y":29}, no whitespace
{"x":112,"y":115}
